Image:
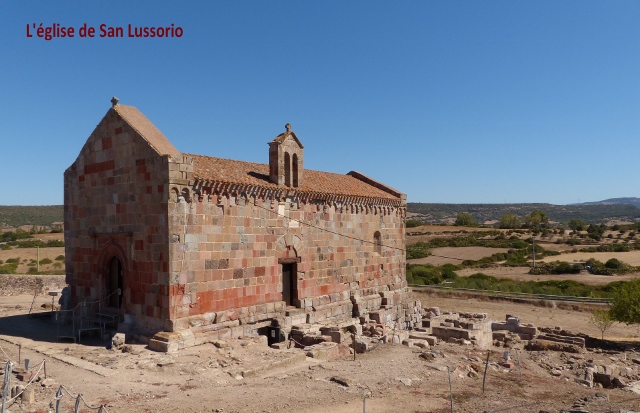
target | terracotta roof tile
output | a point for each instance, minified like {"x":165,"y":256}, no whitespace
{"x":231,"y":171}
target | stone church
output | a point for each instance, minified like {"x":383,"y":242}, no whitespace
{"x":203,"y":248}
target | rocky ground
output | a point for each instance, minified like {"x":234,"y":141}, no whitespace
{"x":247,"y":376}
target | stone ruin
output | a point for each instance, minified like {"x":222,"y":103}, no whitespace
{"x":388,"y":321}
{"x":557,"y":339}
{"x":511,"y":331}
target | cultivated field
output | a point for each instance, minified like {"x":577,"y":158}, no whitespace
{"x":630,"y":257}
{"x":28,"y":255}
{"x":455,"y":255}
{"x":522,"y":274}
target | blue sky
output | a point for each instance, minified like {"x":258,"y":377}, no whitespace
{"x":456,"y":101}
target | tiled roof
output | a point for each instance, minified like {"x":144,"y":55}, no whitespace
{"x":207,"y":168}
{"x":146,"y":129}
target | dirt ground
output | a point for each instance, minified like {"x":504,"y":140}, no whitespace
{"x":455,"y":255}
{"x":247,"y":376}
{"x":522,"y":274}
{"x":28,"y":255}
{"x":630,"y":257}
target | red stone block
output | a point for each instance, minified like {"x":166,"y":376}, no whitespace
{"x":106,"y":143}
{"x":26,"y":376}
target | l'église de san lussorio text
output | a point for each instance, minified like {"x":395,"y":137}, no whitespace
{"x":58,"y":31}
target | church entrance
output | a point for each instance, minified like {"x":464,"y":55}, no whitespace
{"x":114,"y":283}
{"x":289,"y":282}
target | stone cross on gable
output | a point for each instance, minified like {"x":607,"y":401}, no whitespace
{"x":114,"y":101}
{"x":288,"y":127}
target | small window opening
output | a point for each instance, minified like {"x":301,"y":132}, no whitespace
{"x":377,"y":242}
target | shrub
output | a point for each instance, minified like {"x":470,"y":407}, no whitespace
{"x":614,"y":264}
{"x":33,"y":270}
{"x":417,"y":250}
{"x":60,"y":258}
{"x":14,"y":236}
{"x":431,"y":275}
{"x":626,"y":303}
{"x":7,"y":269}
{"x":45,"y":261}
{"x":464,"y":219}
{"x":412,"y":223}
{"x":556,"y":267}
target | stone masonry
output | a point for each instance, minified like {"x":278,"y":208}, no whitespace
{"x":204,"y":248}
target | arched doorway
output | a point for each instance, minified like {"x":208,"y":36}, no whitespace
{"x":114,"y":282}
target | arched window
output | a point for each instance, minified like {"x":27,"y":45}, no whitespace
{"x":287,"y":169}
{"x":185,"y":195}
{"x":175,"y":194}
{"x":295,"y":170}
{"x":377,"y":242}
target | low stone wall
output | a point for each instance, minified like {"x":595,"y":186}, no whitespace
{"x":323,"y":319}
{"x":16,"y":284}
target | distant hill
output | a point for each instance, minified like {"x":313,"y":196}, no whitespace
{"x":18,"y":215}
{"x":615,"y":201}
{"x":590,"y":213}
{"x":622,"y":209}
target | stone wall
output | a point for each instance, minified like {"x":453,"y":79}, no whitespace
{"x":16,"y":284}
{"x":116,"y":196}
{"x":229,"y":245}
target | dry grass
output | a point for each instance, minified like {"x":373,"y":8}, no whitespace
{"x":574,"y":317}
{"x":28,"y":254}
{"x":630,"y":257}
{"x":455,"y":255}
{"x":453,"y":228}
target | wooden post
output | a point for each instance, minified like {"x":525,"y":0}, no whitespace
{"x":450,"y":388}
{"x":38,"y":259}
{"x":484,"y":377}
{"x":354,"y":346}
{"x":7,"y":384}
{"x":58,"y":397}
